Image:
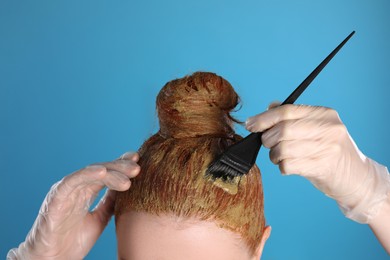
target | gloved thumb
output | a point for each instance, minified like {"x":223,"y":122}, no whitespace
{"x":104,"y":209}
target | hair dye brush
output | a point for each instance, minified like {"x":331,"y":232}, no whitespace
{"x":239,"y":158}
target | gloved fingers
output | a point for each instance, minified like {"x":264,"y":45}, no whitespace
{"x":306,"y":128}
{"x":74,"y":193}
{"x":90,"y":175}
{"x":296,"y":149}
{"x":116,"y":181}
{"x":120,"y":172}
{"x":130,"y":156}
{"x":298,"y":166}
{"x":129,"y":168}
{"x":268,"y":119}
{"x":94,"y":177}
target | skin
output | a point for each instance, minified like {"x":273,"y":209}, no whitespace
{"x":145,"y":236}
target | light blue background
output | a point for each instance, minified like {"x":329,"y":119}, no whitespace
{"x":78,"y":82}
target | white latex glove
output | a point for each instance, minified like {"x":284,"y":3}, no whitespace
{"x":65,"y":227}
{"x":314,"y":143}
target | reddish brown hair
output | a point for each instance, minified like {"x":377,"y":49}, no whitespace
{"x":195,"y":126}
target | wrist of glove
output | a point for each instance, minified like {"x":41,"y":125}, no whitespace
{"x":21,"y":253}
{"x":365,"y":202}
{"x":13,"y":254}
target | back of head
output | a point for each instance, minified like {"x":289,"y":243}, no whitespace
{"x":195,"y":127}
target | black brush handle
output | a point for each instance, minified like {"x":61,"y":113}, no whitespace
{"x":299,"y":90}
{"x":255,"y":138}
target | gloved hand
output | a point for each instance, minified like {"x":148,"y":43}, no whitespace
{"x":314,"y":143}
{"x":65,"y":228}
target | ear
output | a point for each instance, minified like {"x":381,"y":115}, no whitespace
{"x":266,"y":234}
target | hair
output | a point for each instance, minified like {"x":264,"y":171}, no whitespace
{"x":195,"y":127}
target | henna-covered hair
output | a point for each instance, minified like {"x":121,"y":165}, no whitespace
{"x":195,"y":126}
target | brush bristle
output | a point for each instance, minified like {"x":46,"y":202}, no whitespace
{"x":227,"y":169}
{"x":222,"y":171}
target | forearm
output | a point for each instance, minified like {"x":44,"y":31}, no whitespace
{"x":373,"y":203}
{"x":380,"y":225}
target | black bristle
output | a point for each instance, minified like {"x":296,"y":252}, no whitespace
{"x":227,"y":168}
{"x":222,"y":171}
{"x":237,"y":160}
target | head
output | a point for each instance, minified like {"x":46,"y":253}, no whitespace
{"x":173,"y":210}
